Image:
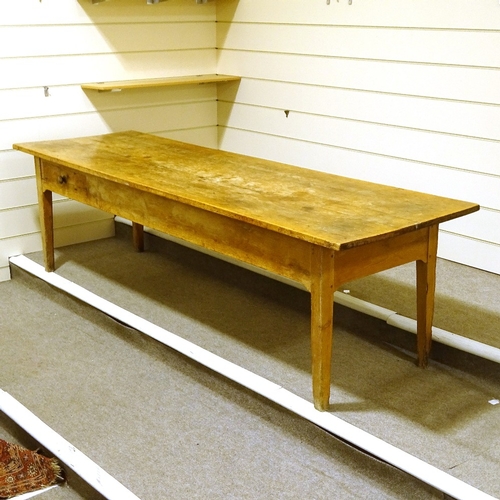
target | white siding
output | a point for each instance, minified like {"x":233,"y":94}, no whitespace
{"x":403,"y":95}
{"x":60,"y":44}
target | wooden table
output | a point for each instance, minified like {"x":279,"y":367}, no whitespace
{"x":318,"y":229}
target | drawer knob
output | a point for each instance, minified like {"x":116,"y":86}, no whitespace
{"x":62,"y":179}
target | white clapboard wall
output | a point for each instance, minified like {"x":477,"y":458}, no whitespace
{"x":401,"y":93}
{"x":48,"y":48}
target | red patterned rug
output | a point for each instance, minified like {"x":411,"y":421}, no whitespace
{"x":22,"y":470}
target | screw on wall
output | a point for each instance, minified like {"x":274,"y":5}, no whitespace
{"x":287,"y":112}
{"x":46,"y":91}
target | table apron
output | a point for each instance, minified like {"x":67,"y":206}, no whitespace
{"x":365,"y":260}
{"x":275,"y":252}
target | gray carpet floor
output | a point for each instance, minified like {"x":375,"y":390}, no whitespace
{"x":168,"y":428}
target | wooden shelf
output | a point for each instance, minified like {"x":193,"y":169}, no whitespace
{"x":158,"y":82}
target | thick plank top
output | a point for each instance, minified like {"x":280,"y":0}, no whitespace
{"x":325,"y":209}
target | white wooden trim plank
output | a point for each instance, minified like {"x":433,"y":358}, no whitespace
{"x":470,"y":252}
{"x":483,"y":225}
{"x":18,"y":192}
{"x":24,"y":220}
{"x":41,"y":41}
{"x":69,"y":235}
{"x":70,"y":99}
{"x":416,"y":145}
{"x":14,"y":165}
{"x":434,"y":81}
{"x":394,"y":44}
{"x":175,"y":116}
{"x":29,"y":12}
{"x":461,"y":14}
{"x":454,"y":117}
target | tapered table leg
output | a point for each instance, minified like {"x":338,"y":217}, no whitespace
{"x":46,"y":218}
{"x":426,"y":285}
{"x":322,"y":290}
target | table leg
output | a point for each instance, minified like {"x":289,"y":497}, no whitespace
{"x":322,"y":290}
{"x":46,"y":218}
{"x":426,"y":285}
{"x":138,"y":236}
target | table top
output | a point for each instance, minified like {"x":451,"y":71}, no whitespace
{"x":328,"y":210}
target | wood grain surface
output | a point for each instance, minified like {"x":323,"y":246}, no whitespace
{"x":332,"y":211}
